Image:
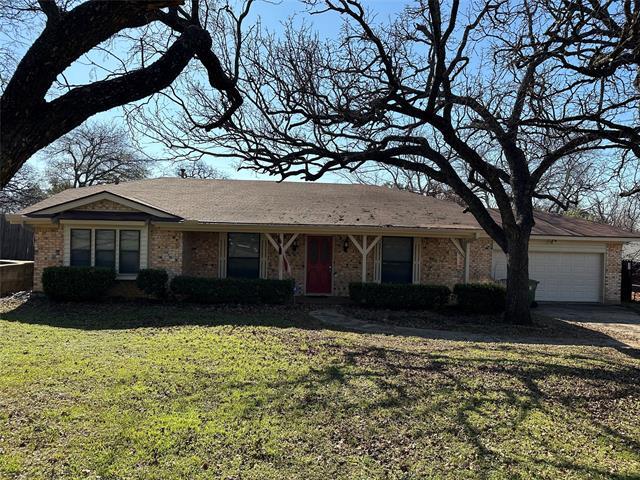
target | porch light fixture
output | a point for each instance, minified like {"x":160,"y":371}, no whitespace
{"x":345,"y":244}
{"x":294,"y":245}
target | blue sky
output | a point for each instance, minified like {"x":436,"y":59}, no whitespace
{"x":272,"y":15}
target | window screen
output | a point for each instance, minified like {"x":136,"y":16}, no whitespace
{"x":129,"y":251}
{"x":80,"y":248}
{"x":106,"y":248}
{"x":397,"y":260}
{"x":243,"y":255}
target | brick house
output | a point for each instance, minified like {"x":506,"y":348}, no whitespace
{"x":324,"y":236}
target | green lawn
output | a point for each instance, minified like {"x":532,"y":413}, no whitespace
{"x":98,"y":392}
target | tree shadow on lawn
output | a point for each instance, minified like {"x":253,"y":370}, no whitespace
{"x":129,"y":314}
{"x":477,"y":406}
{"x":451,"y":324}
{"x":550,"y":414}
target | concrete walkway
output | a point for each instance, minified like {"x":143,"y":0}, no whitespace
{"x":333,"y":318}
{"x":616,"y":321}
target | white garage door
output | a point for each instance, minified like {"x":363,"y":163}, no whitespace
{"x":563,"y":277}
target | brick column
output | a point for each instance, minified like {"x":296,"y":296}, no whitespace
{"x":165,"y":250}
{"x":48,"y":252}
{"x":613,"y":273}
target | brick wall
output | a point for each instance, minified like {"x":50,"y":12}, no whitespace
{"x":612,"y":273}
{"x":165,"y":250}
{"x":106,"y":205}
{"x":48,"y":251}
{"x":196,"y":253}
{"x":200,"y":254}
{"x":480,"y":257}
{"x":442,"y":264}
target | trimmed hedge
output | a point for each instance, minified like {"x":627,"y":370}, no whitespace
{"x":399,"y":296}
{"x":232,"y":290}
{"x":77,"y":283}
{"x":480,"y":297}
{"x":153,"y":282}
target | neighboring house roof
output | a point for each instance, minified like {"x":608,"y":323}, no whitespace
{"x":631,"y":251}
{"x":254,"y":202}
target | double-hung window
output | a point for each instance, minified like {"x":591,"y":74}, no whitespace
{"x":129,"y":251}
{"x":243,"y":255}
{"x":105,"y":248}
{"x":80,"y":247}
{"x":115,"y":248}
{"x":397,"y":260}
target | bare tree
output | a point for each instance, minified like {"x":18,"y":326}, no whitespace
{"x":23,"y":190}
{"x":171,"y":35}
{"x":595,"y":46}
{"x":197,"y":169}
{"x":401,"y":179}
{"x":92,"y":154}
{"x":596,"y":39}
{"x":478,"y":100}
{"x":621,"y":212}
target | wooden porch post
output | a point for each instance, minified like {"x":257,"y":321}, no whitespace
{"x":464,"y":251}
{"x":364,"y":259}
{"x":364,"y":250}
{"x":281,"y":248}
{"x":280,"y":256}
{"x":467,"y":256}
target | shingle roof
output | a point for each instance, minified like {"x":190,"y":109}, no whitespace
{"x":256,"y":202}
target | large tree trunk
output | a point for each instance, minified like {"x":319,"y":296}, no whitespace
{"x":517,"y":305}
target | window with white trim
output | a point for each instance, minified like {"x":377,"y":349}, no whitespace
{"x":129,"y":251}
{"x":119,"y":248}
{"x":243,"y":255}
{"x":397,"y":260}
{"x":105,"y":255}
{"x":80,"y":247}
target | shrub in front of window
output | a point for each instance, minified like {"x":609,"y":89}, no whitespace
{"x":480,"y":297}
{"x":232,"y":290}
{"x":77,"y":283}
{"x":153,"y":282}
{"x":399,"y":296}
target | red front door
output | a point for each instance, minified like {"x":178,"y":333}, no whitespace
{"x":319,"y":265}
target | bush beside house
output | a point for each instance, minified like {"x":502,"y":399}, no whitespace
{"x":88,"y":283}
{"x":227,"y":290}
{"x":77,"y":283}
{"x":480,"y":297}
{"x":153,"y":282}
{"x":399,"y":296}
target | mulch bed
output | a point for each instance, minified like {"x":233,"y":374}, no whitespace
{"x":449,"y":318}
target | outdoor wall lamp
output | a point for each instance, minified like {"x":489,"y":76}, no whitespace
{"x":345,"y":244}
{"x":294,"y":245}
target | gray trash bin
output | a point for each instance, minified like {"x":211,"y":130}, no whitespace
{"x":533,"y":285}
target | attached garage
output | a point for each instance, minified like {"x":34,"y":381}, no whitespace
{"x":565,"y":275}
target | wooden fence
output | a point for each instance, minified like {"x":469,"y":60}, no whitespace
{"x":16,"y":241}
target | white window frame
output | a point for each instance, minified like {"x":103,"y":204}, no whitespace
{"x":261,"y":268}
{"x":415,"y":271}
{"x":144,"y":238}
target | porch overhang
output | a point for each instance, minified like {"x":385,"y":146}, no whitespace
{"x":320,"y":229}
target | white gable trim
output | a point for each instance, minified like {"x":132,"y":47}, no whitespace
{"x":103,"y":196}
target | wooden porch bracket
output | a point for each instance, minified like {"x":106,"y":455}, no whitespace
{"x":464,"y":251}
{"x":281,"y":251}
{"x":364,"y":250}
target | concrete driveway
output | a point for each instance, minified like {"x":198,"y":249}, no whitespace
{"x":618,"y":322}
